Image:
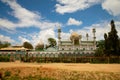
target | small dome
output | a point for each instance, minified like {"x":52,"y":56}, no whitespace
{"x":74,"y":36}
{"x":41,"y":42}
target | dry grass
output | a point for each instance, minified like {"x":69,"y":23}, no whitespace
{"x":61,"y":71}
{"x":67,"y":66}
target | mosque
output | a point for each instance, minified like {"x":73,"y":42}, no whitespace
{"x":74,"y":47}
{"x":75,"y":44}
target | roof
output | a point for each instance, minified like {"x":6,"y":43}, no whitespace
{"x":66,"y":43}
{"x":51,"y":49}
{"x":82,"y":43}
{"x":87,"y":41}
{"x":14,"y":49}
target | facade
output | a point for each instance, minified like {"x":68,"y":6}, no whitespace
{"x":75,"y":44}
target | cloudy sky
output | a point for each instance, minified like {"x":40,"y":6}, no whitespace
{"x":36,"y":20}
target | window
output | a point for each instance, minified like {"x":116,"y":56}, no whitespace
{"x":87,"y":52}
{"x":77,"y":49}
{"x":83,"y":48}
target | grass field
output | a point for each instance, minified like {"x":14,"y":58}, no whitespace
{"x":60,"y":71}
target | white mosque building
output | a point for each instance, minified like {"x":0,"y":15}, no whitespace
{"x":76,"y":45}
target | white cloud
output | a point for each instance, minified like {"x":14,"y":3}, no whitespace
{"x":6,"y":38}
{"x":72,"y":21}
{"x":23,"y":39}
{"x":65,"y":36}
{"x":4,"y":23}
{"x":70,"y":6}
{"x":117,"y":23}
{"x":44,"y":35}
{"x":112,"y":6}
{"x":38,"y":37}
{"x":26,"y":18}
{"x":101,"y":28}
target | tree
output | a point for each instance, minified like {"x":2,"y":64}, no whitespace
{"x":52,"y":42}
{"x":27,"y":45}
{"x":39,"y":47}
{"x":4,"y":44}
{"x":100,"y":50}
{"x":112,"y":46}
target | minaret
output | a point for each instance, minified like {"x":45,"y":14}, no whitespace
{"x":80,"y":37}
{"x":87,"y":41}
{"x":87,"y":36}
{"x":59,"y":35}
{"x":94,"y":38}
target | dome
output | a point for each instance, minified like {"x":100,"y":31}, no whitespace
{"x":74,"y":36}
{"x":41,"y":43}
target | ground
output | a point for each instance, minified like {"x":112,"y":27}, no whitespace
{"x":67,"y":66}
{"x":64,"y":71}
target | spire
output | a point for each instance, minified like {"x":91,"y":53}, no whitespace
{"x":59,"y":32}
{"x":59,"y":35}
{"x":94,"y":38}
{"x":87,"y":36}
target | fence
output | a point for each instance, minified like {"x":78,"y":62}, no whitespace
{"x":72,"y":59}
{"x":59,"y":58}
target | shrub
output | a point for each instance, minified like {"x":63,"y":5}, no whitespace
{"x":4,"y":59}
{"x":0,"y":75}
{"x":7,"y":73}
{"x":15,"y":78}
{"x":46,"y":79}
{"x":37,"y":77}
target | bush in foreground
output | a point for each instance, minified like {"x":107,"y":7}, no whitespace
{"x":4,"y":59}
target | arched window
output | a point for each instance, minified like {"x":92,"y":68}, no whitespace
{"x":77,"y":49}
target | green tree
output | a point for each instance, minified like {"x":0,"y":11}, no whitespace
{"x":39,"y":47}
{"x":112,"y":46}
{"x":27,"y":45}
{"x":100,"y":48}
{"x":4,"y":44}
{"x":52,"y":42}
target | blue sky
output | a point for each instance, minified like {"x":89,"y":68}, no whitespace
{"x":36,"y":20}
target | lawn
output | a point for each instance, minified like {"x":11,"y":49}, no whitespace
{"x":59,"y":71}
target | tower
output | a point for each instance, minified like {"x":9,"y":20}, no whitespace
{"x":80,"y":37}
{"x":87,"y":41}
{"x":94,"y":38}
{"x":59,"y":35}
{"x":87,"y":36}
